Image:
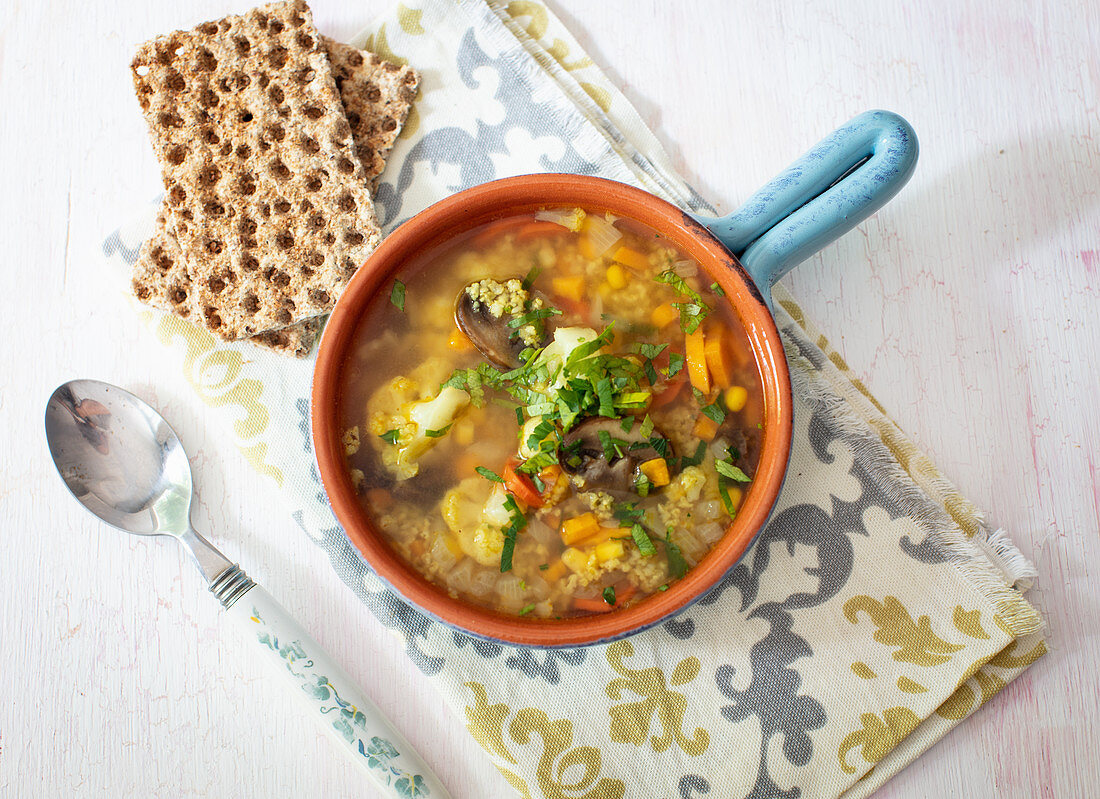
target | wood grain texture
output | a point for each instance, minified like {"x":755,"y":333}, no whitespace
{"x":968,"y":305}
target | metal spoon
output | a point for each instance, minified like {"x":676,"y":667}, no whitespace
{"x":126,"y":465}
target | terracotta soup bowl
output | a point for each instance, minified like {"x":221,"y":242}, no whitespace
{"x":835,"y":186}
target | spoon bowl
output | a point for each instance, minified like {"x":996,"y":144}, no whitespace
{"x":119,"y":458}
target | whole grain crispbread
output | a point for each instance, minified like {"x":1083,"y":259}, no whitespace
{"x":377,"y":96}
{"x":160,"y":279}
{"x":269,"y":199}
{"x":379,"y":91}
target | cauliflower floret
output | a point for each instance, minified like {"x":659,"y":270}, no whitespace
{"x":557,"y":352}
{"x":406,"y":420}
{"x":475,"y":514}
{"x":681,"y":495}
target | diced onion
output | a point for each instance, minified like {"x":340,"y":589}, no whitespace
{"x":709,"y":532}
{"x":441,"y":554}
{"x":602,"y":235}
{"x":718,"y":448}
{"x":685,"y":268}
{"x":710,"y":510}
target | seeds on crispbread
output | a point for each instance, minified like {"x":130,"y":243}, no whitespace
{"x":269,"y":200}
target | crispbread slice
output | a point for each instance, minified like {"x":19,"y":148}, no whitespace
{"x":270,"y":203}
{"x":377,"y":96}
{"x":379,"y":91}
{"x":160,"y":279}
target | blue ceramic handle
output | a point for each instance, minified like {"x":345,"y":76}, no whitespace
{"x":844,"y":179}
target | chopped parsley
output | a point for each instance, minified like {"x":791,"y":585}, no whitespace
{"x":697,"y":458}
{"x":390,"y":436}
{"x":645,"y":544}
{"x":677,"y":566}
{"x":530,"y":278}
{"x":609,"y":595}
{"x":721,"y":292}
{"x":544,"y":566}
{"x":438,"y":433}
{"x":516,"y":522}
{"x":727,"y":469}
{"x":694,"y":310}
{"x":489,"y":474}
{"x":526,"y":609}
{"x":397,"y":295}
{"x":714,"y":412}
{"x":675,"y":363}
{"x":727,"y":501}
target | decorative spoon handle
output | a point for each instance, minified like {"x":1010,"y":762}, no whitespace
{"x":344,"y":710}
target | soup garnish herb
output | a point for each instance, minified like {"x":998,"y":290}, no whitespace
{"x":575,"y":439}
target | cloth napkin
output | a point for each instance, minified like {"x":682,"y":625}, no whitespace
{"x":875,"y":612}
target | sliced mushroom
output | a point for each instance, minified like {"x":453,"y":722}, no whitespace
{"x":494,"y":338}
{"x":583,"y":454}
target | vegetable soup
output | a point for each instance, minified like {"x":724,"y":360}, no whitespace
{"x":553,"y":415}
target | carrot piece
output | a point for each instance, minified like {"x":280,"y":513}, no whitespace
{"x":632,"y":258}
{"x":571,"y":287}
{"x":671,"y":392}
{"x":695,"y":353}
{"x":554,"y":571}
{"x":459,"y":341}
{"x":656,"y":469}
{"x":592,"y":605}
{"x":466,"y":465}
{"x":380,"y":499}
{"x":578,"y":528}
{"x":625,"y":594}
{"x":539,"y":229}
{"x":602,"y":534}
{"x":705,"y":428}
{"x":521,"y":487}
{"x":495,"y":230}
{"x":718,"y":357}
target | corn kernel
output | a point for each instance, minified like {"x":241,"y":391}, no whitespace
{"x":736,"y":397}
{"x":632,"y":258}
{"x":616,"y":277}
{"x":664,"y":315}
{"x":575,"y":560}
{"x":609,"y":550}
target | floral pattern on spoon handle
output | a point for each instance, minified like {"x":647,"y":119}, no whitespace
{"x":346,"y":712}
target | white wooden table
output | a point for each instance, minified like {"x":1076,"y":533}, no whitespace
{"x":968,"y":305}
